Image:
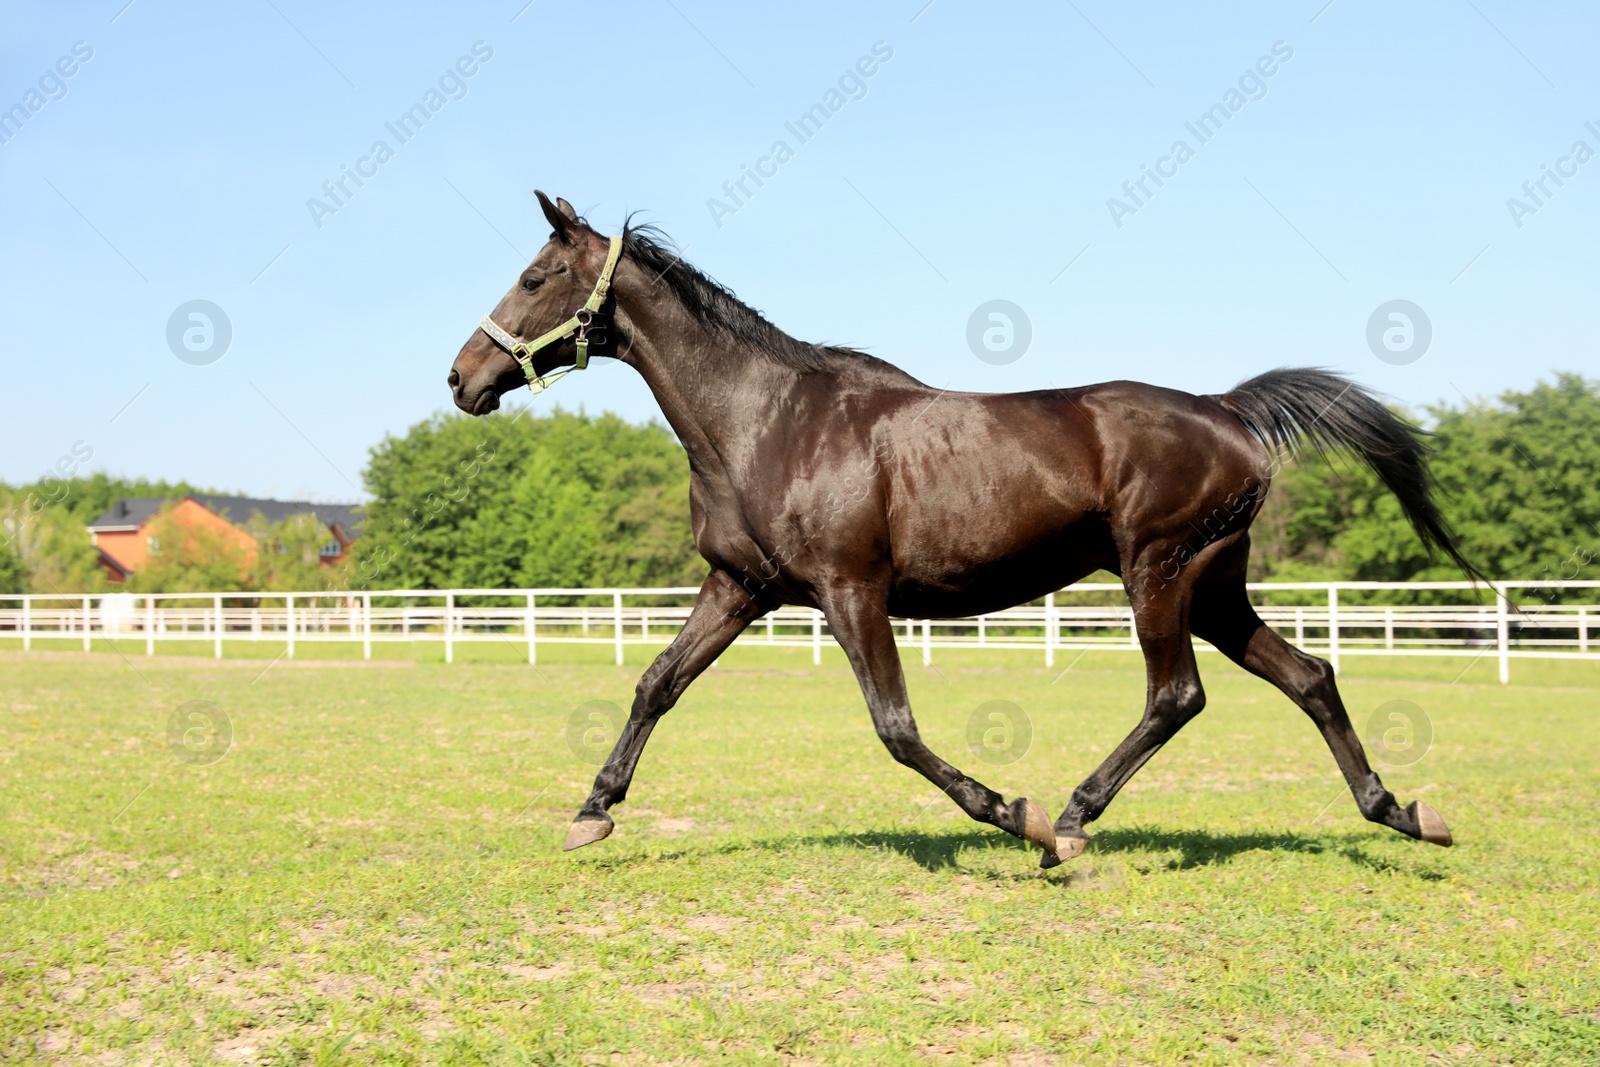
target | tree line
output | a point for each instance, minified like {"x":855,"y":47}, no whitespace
{"x":569,"y":499}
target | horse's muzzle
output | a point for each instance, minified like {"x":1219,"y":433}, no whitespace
{"x":488,"y":400}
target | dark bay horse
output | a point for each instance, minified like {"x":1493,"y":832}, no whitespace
{"x":823,"y":477}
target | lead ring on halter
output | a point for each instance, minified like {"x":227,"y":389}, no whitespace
{"x":581,"y":325}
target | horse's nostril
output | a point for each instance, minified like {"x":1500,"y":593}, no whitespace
{"x":454,"y":379}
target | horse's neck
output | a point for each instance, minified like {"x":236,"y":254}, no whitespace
{"x":715,"y":395}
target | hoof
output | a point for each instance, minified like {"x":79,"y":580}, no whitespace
{"x":1067,"y":848}
{"x":1432,"y":827}
{"x":1072,"y":847}
{"x":1036,"y":827}
{"x":586,"y":830}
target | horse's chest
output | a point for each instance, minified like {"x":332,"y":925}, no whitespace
{"x":722,"y":533}
{"x":771,"y":547}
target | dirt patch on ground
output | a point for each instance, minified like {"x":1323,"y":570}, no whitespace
{"x":560,"y":969}
{"x":658,"y":994}
{"x":716,"y":924}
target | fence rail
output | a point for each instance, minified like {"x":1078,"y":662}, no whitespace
{"x":1534,"y":629}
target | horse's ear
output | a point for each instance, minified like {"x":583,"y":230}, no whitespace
{"x":563,"y":220}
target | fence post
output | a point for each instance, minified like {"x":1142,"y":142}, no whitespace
{"x":449,"y":633}
{"x":1300,"y":627}
{"x":533,"y":640}
{"x":1333,"y":627}
{"x":1388,"y":628}
{"x":288,"y":615}
{"x":149,"y":625}
{"x":86,"y":624}
{"x":217,"y":621}
{"x":1502,"y":632}
{"x":616,"y":614}
{"x":983,"y":637}
{"x":1583,"y":629}
{"x":27,"y":623}
{"x":927,"y":642}
{"x":366,"y":625}
{"x":1049,"y":630}
{"x":816,"y":637}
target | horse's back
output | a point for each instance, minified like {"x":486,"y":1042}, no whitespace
{"x":991,"y":499}
{"x":996,"y":498}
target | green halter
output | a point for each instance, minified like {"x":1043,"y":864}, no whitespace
{"x":581,"y":325}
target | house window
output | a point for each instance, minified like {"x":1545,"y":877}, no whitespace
{"x":330,"y":550}
{"x":152,"y":545}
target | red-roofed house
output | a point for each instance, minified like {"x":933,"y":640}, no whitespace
{"x":125,"y":541}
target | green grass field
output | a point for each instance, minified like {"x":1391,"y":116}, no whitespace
{"x":371,"y":874}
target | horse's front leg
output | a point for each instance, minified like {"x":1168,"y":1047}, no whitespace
{"x":861,"y":627}
{"x":721,"y":614}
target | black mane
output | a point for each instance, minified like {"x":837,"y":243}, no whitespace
{"x":715,"y":306}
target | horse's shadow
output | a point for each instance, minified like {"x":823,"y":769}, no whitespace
{"x":934,"y":851}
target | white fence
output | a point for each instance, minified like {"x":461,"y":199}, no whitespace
{"x":1534,"y":629}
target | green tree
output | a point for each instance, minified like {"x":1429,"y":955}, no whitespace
{"x":557,"y":500}
{"x":288,"y":554}
{"x":48,"y":541}
{"x":13,"y":575}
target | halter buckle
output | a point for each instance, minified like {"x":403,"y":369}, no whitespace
{"x":591,"y":328}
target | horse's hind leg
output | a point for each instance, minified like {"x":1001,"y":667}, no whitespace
{"x":1173,"y":697}
{"x":1223,"y":615}
{"x":859,"y":624}
{"x":720,"y":614}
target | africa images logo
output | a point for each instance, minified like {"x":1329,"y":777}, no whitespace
{"x":52,"y":85}
{"x":452,"y":85}
{"x":851,"y":85}
{"x":1252,"y":85}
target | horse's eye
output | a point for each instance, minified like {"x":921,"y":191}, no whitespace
{"x":530,"y":284}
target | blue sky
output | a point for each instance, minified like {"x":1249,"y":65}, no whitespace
{"x":177,"y":161}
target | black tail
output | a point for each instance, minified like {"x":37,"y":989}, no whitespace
{"x":1288,"y":406}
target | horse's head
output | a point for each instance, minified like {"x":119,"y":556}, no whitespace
{"x":549,"y":290}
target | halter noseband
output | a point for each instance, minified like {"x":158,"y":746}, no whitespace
{"x":581,"y":325}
